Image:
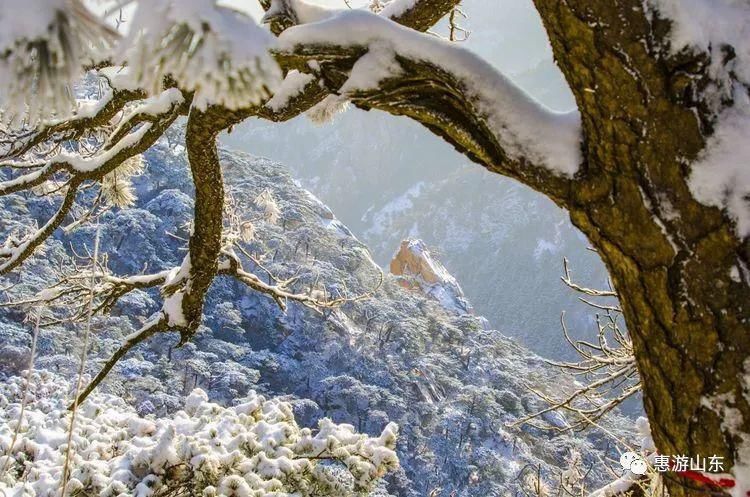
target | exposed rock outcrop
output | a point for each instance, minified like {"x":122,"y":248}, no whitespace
{"x":417,"y":269}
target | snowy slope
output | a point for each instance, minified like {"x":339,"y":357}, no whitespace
{"x":451,"y":385}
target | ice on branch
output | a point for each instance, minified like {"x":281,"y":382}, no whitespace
{"x":523,"y":127}
{"x":217,"y":52}
{"x":254,"y":448}
{"x":44,"y":45}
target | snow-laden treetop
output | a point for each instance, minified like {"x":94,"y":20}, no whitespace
{"x":46,"y":45}
{"x":252,"y":449}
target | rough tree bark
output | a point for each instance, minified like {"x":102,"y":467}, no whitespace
{"x":688,"y":318}
{"x":670,"y":257}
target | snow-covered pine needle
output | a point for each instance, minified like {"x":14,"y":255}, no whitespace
{"x":24,"y":392}
{"x":117,"y":186}
{"x":82,"y":365}
{"x":219,"y":53}
{"x":44,"y":46}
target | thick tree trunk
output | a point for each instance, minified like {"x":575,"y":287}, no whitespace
{"x":678,"y":266}
{"x":205,"y":241}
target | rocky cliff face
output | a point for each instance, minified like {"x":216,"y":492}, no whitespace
{"x":417,"y":358}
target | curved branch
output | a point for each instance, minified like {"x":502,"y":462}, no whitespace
{"x":15,"y":255}
{"x":147,"y":331}
{"x":155,"y":114}
{"x":73,"y":285}
{"x":91,"y":169}
{"x":455,"y":94}
{"x":280,"y":293}
{"x":419,"y":15}
{"x":188,"y":288}
{"x":73,"y":128}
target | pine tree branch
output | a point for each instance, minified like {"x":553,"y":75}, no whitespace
{"x":441,"y":99}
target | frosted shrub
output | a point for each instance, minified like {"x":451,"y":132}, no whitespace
{"x":252,"y":449}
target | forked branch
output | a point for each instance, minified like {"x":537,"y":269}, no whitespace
{"x":608,"y":370}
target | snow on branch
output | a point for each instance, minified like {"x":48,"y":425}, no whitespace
{"x":66,"y":299}
{"x":300,"y":93}
{"x":281,"y":293}
{"x":419,"y":15}
{"x":14,"y":251}
{"x":393,"y":68}
{"x":238,"y":231}
{"x":253,"y":448}
{"x":216,"y":52}
{"x":16,"y":144}
{"x":68,"y":169}
{"x":44,"y":46}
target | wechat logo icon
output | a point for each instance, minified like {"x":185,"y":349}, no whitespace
{"x":633,"y":462}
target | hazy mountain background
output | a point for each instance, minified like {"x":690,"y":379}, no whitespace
{"x":388,"y":178}
{"x":409,"y":354}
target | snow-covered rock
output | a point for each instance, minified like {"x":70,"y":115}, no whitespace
{"x":416,"y":268}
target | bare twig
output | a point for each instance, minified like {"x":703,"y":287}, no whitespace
{"x":609,"y":369}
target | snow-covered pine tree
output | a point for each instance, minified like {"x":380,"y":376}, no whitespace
{"x":254,"y":448}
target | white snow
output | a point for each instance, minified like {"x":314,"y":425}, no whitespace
{"x":219,"y":53}
{"x":397,"y":7}
{"x":721,"y":176}
{"x":75,"y":161}
{"x":172,"y":306}
{"x":255,"y":448}
{"x":172,"y":309}
{"x":395,"y":207}
{"x":304,"y":12}
{"x":81,"y":164}
{"x":27,"y":20}
{"x":707,"y":25}
{"x":524,"y":127}
{"x":617,"y":487}
{"x":293,"y":84}
{"x":44,"y":45}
